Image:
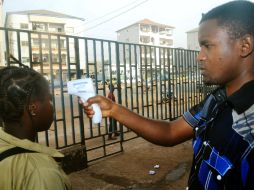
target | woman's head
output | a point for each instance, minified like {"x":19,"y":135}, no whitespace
{"x":22,"y":90}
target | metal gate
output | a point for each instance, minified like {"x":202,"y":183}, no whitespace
{"x":156,"y":82}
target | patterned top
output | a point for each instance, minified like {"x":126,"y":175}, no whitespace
{"x":224,"y":139}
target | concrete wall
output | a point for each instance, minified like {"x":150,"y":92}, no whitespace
{"x":130,"y":34}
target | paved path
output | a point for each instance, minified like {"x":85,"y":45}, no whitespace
{"x":129,"y":170}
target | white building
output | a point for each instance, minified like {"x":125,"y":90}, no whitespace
{"x":40,"y":43}
{"x":44,"y":21}
{"x":192,"y":40}
{"x":147,"y":32}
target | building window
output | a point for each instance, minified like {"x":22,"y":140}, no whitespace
{"x":25,"y":59}
{"x":154,"y":29}
{"x":145,"y":39}
{"x":145,"y":28}
{"x":166,"y":31}
{"x":169,"y":32}
{"x":24,"y":43}
{"x":54,"y":58}
{"x":166,"y":42}
{"x":39,"y":26}
{"x":36,"y":57}
{"x":35,"y":42}
{"x":23,"y":26}
{"x":45,"y":57}
{"x":53,"y":27}
{"x":162,"y":29}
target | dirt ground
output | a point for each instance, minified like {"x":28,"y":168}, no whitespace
{"x":130,"y":169}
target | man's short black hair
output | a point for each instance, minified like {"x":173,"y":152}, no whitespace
{"x":236,"y":16}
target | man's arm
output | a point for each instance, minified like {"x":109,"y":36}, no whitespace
{"x":156,"y":131}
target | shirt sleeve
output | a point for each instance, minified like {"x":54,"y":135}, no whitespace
{"x":47,"y":178}
{"x":192,"y":116}
{"x":205,"y":110}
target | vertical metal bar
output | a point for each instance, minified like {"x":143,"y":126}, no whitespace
{"x":160,"y":87}
{"x":182,"y":81}
{"x":190,"y":89}
{"x":103,"y":67}
{"x":18,"y":44}
{"x":164,"y":85}
{"x":7,"y":46}
{"x":96,"y":71}
{"x":95,"y":62}
{"x":146,"y":77}
{"x":87,"y":62}
{"x":40,"y":54}
{"x":176,"y":83}
{"x":104,"y":91}
{"x":41,"y":69}
{"x":118,"y":72}
{"x":125,"y":74}
{"x":185,"y":78}
{"x":119,"y":91}
{"x":136,"y":75}
{"x":156,"y":78}
{"x":110,"y":69}
{"x":152,"y":81}
{"x":70,"y":97}
{"x":60,"y":63}
{"x":52,"y":89}
{"x":96,"y":82}
{"x":142,"y":77}
{"x":171,"y":93}
{"x":81,"y":119}
{"x":30,"y":49}
{"x":130,"y":67}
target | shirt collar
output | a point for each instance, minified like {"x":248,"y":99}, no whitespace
{"x":27,"y":144}
{"x":242,"y":99}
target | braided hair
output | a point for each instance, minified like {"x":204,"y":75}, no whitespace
{"x":18,"y":86}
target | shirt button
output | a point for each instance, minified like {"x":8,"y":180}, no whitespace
{"x":205,"y":143}
{"x":219,"y":177}
{"x":196,"y":128}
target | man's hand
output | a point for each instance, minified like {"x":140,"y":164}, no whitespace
{"x":106,"y":106}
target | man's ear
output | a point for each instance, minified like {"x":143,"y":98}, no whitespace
{"x":247,"y":44}
{"x":32,"y":109}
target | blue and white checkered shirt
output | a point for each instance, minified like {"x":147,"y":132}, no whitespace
{"x":224,"y":141}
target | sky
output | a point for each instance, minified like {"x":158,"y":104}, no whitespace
{"x":104,"y":17}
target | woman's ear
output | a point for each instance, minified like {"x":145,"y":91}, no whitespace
{"x":32,"y":109}
{"x":247,"y":42}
